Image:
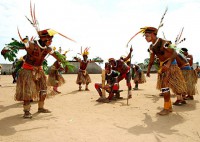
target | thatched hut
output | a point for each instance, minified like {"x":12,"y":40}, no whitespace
{"x":92,"y":68}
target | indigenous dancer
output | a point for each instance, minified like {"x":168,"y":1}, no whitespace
{"x":187,"y":55}
{"x":123,"y":69}
{"x":186,"y":70}
{"x":191,"y":76}
{"x":111,"y":87}
{"x":31,"y":82}
{"x":170,"y":76}
{"x":138,"y":76}
{"x":83,"y":76}
{"x":55,"y":77}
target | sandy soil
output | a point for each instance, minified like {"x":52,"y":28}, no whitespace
{"x":77,"y":117}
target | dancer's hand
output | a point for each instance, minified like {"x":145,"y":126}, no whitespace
{"x":106,"y":87}
{"x":165,"y":68}
{"x":148,"y":74}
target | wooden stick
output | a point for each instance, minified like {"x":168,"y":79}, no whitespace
{"x":130,"y":76}
{"x":103,"y":83}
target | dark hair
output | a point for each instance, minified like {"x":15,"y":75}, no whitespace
{"x":151,"y":30}
{"x":107,"y":65}
{"x":184,"y":49}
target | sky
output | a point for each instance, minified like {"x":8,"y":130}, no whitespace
{"x":103,"y":25}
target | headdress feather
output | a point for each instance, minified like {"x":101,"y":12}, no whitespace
{"x":142,"y":30}
{"x":34,"y":21}
{"x":19,"y":34}
{"x":161,"y":21}
{"x":85,"y":51}
{"x":35,"y":24}
{"x":133,"y":37}
{"x":179,"y":37}
{"x":164,"y":35}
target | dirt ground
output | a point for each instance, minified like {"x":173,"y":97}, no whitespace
{"x":77,"y":117}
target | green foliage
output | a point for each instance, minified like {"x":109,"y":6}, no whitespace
{"x":146,"y":62}
{"x":18,"y":65}
{"x":10,"y":55}
{"x":155,"y":63}
{"x":16,"y":44}
{"x":64,"y":62}
{"x":9,"y":52}
{"x":98,"y":59}
{"x":45,"y":66}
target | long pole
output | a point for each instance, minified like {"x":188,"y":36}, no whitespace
{"x":129,"y":76}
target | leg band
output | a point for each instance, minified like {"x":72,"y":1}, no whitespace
{"x":164,"y":90}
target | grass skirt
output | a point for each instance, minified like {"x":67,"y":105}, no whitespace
{"x":55,"y":78}
{"x":83,"y":79}
{"x":190,"y":81}
{"x":137,"y":79}
{"x":28,"y":87}
{"x":172,"y":78}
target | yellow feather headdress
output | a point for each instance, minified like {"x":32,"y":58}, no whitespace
{"x":86,"y":52}
{"x":152,"y":29}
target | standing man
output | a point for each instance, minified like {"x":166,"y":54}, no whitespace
{"x":193,"y":76}
{"x":31,"y":82}
{"x":83,"y":76}
{"x":170,"y":76}
{"x":187,"y":55}
{"x":137,"y":76}
{"x":55,"y":78}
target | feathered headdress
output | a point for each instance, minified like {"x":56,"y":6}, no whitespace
{"x":150,"y":29}
{"x":34,"y":22}
{"x":178,"y":41}
{"x":85,"y":52}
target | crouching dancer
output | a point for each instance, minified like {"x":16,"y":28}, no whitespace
{"x":111,"y":87}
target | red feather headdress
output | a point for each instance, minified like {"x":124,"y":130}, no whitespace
{"x":35,"y":24}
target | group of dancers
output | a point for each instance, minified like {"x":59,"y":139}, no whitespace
{"x":175,"y":72}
